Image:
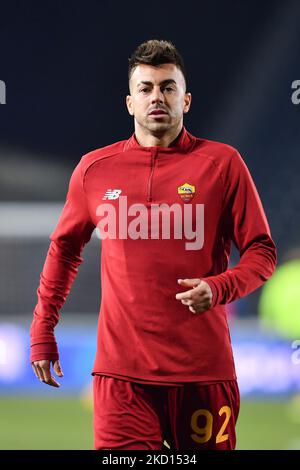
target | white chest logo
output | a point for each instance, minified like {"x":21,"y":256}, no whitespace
{"x":112,"y":194}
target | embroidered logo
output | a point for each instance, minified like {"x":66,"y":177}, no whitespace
{"x":186,"y":192}
{"x":112,"y":194}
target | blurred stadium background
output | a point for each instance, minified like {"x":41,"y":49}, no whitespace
{"x":64,"y":66}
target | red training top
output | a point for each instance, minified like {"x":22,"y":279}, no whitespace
{"x":145,"y":333}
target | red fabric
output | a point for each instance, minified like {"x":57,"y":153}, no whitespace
{"x":131,"y":416}
{"x":145,"y":334}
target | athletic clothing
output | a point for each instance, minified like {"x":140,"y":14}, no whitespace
{"x":145,"y":334}
{"x":132,"y":416}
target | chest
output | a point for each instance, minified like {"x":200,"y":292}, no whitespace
{"x":154,"y":179}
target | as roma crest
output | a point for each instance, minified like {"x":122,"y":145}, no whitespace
{"x":186,"y":192}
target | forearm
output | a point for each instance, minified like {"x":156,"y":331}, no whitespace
{"x":255,"y":267}
{"x":57,"y":277}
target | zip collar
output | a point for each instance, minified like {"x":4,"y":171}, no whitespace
{"x":183,"y":143}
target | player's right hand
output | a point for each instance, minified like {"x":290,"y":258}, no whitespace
{"x":43,"y":372}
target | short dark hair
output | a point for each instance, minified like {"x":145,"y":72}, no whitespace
{"x":156,"y":52}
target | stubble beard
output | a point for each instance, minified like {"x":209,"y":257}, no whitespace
{"x":159,"y":127}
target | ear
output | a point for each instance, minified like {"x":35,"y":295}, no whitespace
{"x":187,"y":102}
{"x":129,"y":105}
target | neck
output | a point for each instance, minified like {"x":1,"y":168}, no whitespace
{"x":148,"y":139}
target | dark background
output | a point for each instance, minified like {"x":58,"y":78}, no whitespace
{"x":65,"y":69}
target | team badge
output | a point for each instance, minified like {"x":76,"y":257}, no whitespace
{"x":186,"y":192}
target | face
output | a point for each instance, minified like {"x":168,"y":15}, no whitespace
{"x":157,"y":98}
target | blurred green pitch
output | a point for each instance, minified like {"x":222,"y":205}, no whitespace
{"x":40,"y":423}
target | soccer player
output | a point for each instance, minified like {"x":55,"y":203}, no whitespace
{"x":167,"y":205}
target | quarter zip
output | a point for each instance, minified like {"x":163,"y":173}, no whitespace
{"x":154,"y":154}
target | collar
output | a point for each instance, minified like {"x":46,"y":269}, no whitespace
{"x":183,"y":143}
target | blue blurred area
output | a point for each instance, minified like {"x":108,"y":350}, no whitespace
{"x":77,"y":350}
{"x":265,"y":363}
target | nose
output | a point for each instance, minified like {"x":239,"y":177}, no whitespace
{"x":157,"y":95}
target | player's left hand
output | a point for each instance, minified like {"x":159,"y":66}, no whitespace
{"x":198,"y":298}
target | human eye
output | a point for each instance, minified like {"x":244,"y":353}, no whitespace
{"x":144,"y":90}
{"x":169,"y":89}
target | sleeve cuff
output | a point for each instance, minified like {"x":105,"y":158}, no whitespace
{"x":44,"y":351}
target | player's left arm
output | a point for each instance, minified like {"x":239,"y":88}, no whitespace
{"x":244,"y":222}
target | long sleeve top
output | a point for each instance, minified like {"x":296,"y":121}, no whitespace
{"x":164,"y":213}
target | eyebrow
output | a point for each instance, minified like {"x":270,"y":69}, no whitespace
{"x":164,"y":82}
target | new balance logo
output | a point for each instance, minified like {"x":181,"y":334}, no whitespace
{"x":112,"y":194}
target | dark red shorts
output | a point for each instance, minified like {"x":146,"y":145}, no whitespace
{"x":135,"y":416}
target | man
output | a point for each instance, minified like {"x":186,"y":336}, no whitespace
{"x":167,"y":205}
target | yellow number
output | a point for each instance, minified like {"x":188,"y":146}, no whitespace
{"x":220,"y":436}
{"x":204,"y":433}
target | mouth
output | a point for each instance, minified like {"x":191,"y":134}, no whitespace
{"x":158,"y":113}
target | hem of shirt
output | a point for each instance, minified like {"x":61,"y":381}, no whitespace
{"x":167,"y":383}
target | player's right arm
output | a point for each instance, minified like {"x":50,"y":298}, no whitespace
{"x":73,"y":231}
